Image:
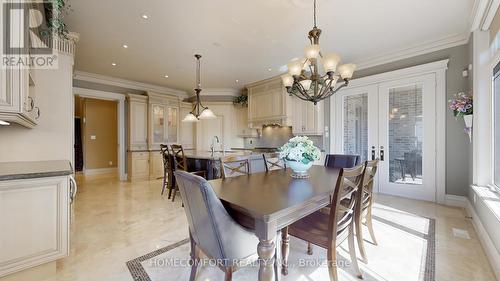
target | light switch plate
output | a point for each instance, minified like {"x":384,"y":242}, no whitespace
{"x":93,"y":137}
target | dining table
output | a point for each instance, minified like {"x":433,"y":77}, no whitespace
{"x":270,"y":201}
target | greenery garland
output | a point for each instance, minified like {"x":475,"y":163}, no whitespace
{"x":241,"y":100}
{"x":54,"y":13}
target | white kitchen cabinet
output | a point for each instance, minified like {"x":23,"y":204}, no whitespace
{"x":155,"y":165}
{"x":34,"y":222}
{"x":308,"y":119}
{"x":138,"y":122}
{"x":138,"y":165}
{"x":186,"y":129}
{"x":268,"y":102}
{"x":163,"y":119}
{"x":242,"y":128}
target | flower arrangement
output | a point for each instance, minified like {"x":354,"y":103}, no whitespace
{"x":299,"y":149}
{"x":461,"y":104}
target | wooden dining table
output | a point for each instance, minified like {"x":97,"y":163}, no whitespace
{"x":273,"y":200}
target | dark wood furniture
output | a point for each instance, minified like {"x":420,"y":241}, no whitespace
{"x":168,"y":176}
{"x":180,"y":162}
{"x":234,"y":166}
{"x":273,"y":162}
{"x":286,"y":200}
{"x":342,"y":160}
{"x":366,"y":204}
{"x":330,"y":230}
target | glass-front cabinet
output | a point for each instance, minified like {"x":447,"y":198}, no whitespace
{"x":163,"y":120}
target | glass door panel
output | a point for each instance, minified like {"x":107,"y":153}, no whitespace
{"x":355,"y":125}
{"x":158,"y":124}
{"x":172,"y":125}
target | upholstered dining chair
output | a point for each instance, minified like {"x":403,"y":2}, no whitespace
{"x":330,"y":230}
{"x":168,"y":176}
{"x":364,"y":212}
{"x":211,"y":228}
{"x":273,"y":162}
{"x":234,"y":166}
{"x":342,"y":160}
{"x":180,"y":163}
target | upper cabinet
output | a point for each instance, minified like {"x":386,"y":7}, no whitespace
{"x":138,"y":120}
{"x":268,"y":102}
{"x":308,"y":119}
{"x":163,"y":119}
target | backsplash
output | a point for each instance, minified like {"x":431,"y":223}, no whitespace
{"x":275,"y":136}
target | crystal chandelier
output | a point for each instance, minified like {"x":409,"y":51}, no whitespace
{"x":199,"y":111}
{"x":304,"y":79}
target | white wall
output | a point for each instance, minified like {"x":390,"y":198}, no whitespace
{"x":52,"y":139}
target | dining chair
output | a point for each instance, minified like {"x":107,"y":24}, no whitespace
{"x":342,"y":160}
{"x":211,"y":228}
{"x":365,"y":207}
{"x":168,"y":177}
{"x":330,"y":230}
{"x":273,"y":162}
{"x":234,"y":166}
{"x":180,"y":163}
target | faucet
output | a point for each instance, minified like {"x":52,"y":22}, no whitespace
{"x":215,"y":138}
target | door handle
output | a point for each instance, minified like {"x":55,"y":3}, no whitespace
{"x":373,"y":153}
{"x":381,"y":153}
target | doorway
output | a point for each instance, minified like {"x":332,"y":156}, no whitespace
{"x":395,"y":121}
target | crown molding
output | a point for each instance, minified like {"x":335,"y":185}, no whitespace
{"x":416,"y":50}
{"x":219,"y":92}
{"x":483,"y":13}
{"x":129,"y":84}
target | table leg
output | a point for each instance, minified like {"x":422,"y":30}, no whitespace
{"x":285,"y":250}
{"x":266,"y":249}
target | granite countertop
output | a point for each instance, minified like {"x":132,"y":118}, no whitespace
{"x":197,"y":154}
{"x":34,"y":169}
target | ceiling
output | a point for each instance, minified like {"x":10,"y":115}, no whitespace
{"x":247,"y":40}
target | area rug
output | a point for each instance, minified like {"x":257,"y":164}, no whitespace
{"x":405,"y":251}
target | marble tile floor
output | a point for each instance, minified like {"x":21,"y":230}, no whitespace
{"x":114,"y":222}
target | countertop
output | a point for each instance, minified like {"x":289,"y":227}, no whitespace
{"x":197,"y":154}
{"x":34,"y":169}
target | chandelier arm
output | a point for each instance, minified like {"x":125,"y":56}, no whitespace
{"x":326,"y":89}
{"x":336,"y":90}
{"x":299,"y":97}
{"x":302,"y":91}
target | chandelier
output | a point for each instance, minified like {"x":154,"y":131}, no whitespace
{"x":304,"y":79}
{"x":199,"y":111}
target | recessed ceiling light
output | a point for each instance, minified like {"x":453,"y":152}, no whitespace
{"x":166,"y":76}
{"x":125,"y":46}
{"x":4,"y":123}
{"x":113,"y":63}
{"x":144,"y":16}
{"x":237,"y":81}
{"x":269,"y":69}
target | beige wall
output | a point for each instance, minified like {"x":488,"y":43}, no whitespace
{"x":495,"y":26}
{"x":101,"y":121}
{"x":52,"y":138}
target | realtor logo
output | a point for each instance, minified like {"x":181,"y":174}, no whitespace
{"x":27,"y":40}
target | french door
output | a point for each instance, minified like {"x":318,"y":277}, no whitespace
{"x":394,"y":122}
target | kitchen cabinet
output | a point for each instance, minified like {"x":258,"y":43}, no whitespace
{"x":138,"y":165}
{"x":242,"y":128}
{"x":186,"y":129}
{"x":268,"y":102}
{"x":155,"y":165}
{"x":138,"y":122}
{"x":163,"y":120}
{"x":17,"y":83}
{"x":308,"y":119}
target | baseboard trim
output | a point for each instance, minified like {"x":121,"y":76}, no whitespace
{"x":455,"y":201}
{"x":484,"y":238}
{"x":91,"y":172}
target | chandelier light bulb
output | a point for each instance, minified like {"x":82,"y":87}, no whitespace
{"x":295,"y":67}
{"x":346,"y":70}
{"x":287,"y":80}
{"x":312,"y":51}
{"x":207,"y":114}
{"x":190,"y":118}
{"x":330,"y":62}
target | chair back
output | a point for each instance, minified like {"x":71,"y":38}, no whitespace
{"x":342,"y":161}
{"x":180,"y":161}
{"x":273,"y":162}
{"x":367,"y":194}
{"x":234,"y":166}
{"x":345,"y":202}
{"x":211,"y":227}
{"x":167,"y":162}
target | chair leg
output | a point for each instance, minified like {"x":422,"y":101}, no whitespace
{"x":309,"y":248}
{"x":194,"y":259}
{"x":229,"y":274}
{"x":359,"y":236}
{"x":332,"y":263}
{"x":170,"y":187}
{"x":352,"y":251}
{"x":369,"y":224}
{"x":285,"y":250}
{"x":175,"y":192}
{"x":164,"y":184}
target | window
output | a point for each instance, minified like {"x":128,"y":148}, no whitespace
{"x":496,"y":125}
